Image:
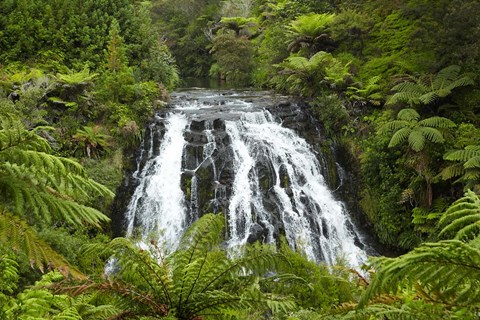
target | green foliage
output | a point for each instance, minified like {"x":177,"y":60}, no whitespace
{"x":467,"y":165}
{"x":462,"y":218}
{"x":39,"y":303}
{"x":368,"y":93}
{"x":233,"y":57}
{"x":38,"y":187}
{"x":331,"y":111}
{"x":299,"y":75}
{"x":309,"y":33}
{"x":323,"y":287}
{"x":444,"y":275}
{"x":197,"y":279}
{"x":92,"y":140}
{"x":409,"y":128}
{"x":428,"y":89}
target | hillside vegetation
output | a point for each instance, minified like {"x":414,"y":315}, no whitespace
{"x":394,"y":83}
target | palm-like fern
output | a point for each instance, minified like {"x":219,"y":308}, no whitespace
{"x":310,"y":31}
{"x":38,"y":302}
{"x":37,"y":187}
{"x":445,"y":272}
{"x":92,"y":140}
{"x":428,"y":89}
{"x":195,"y":280}
{"x":462,"y":218}
{"x":467,"y":165}
{"x":303,"y":75}
{"x":409,"y":127}
{"x":368,"y":92}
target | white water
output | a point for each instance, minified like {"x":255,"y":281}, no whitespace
{"x":313,"y":220}
{"x":157,"y":204}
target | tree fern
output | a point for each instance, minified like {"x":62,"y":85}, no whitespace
{"x":427,"y":90}
{"x":462,"y":218}
{"x":37,"y":187}
{"x":467,"y":165}
{"x":197,"y":279}
{"x":446,"y":271}
{"x":407,"y":127}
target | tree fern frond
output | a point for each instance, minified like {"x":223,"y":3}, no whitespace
{"x":416,"y":140}
{"x":408,"y":114}
{"x":400,"y":136}
{"x":437,"y":122}
{"x":431,"y":134}
{"x":452,"y":171}
{"x":472,"y":163}
{"x":462,"y":82}
{"x":449,"y":270}
{"x":460,"y":215}
{"x":429,"y":97}
{"x":408,"y":92}
{"x":394,"y":125}
{"x":461,"y":155}
{"x":20,"y":236}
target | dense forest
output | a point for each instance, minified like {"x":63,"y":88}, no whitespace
{"x":394,"y":85}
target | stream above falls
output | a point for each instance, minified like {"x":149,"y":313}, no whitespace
{"x":243,"y":154}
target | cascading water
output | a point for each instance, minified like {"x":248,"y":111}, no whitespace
{"x":223,"y":152}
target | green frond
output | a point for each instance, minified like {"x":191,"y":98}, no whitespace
{"x":431,"y":134}
{"x":77,"y":78}
{"x":407,"y":92}
{"x":472,"y":163}
{"x":400,"y":136}
{"x":311,"y":25}
{"x":21,"y":237}
{"x":461,"y":155}
{"x":429,"y":97}
{"x":416,"y":140}
{"x":437,"y":122}
{"x":447,"y":73}
{"x":460,"y":216}
{"x":297,"y":64}
{"x":447,"y":270}
{"x":452,"y":171}
{"x":9,"y":273}
{"x":395,"y":125}
{"x":408,"y":114}
{"x":461,"y":82}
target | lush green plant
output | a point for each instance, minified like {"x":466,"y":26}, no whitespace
{"x":233,"y":57}
{"x":309,"y":33}
{"x":307,"y":77}
{"x":38,"y":188}
{"x":196,"y":280}
{"x":409,"y":127}
{"x":92,"y":140}
{"x":428,"y":89}
{"x":467,"y":165}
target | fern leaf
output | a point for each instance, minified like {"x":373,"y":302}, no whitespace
{"x":408,"y":114}
{"x":394,"y":125}
{"x":472,"y":163}
{"x":460,"y":215}
{"x":416,"y":140}
{"x":20,"y":236}
{"x":452,"y":171}
{"x":400,"y":136}
{"x":448,"y":269}
{"x":430,"y":97}
{"x":431,"y":134}
{"x":437,"y":122}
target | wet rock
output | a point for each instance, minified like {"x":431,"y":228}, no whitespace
{"x":257,"y":233}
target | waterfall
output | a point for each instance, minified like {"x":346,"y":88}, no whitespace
{"x":224,"y":152}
